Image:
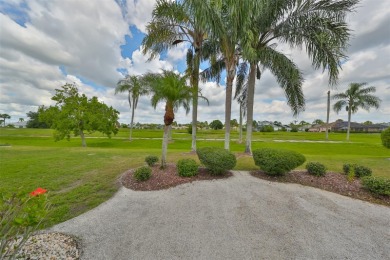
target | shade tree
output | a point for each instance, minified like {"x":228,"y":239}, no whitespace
{"x":76,"y":114}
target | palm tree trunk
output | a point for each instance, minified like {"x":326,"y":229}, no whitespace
{"x":327,"y":116}
{"x":195,"y":85}
{"x":349,"y":122}
{"x":228,"y":105}
{"x":132,"y":119}
{"x":164,"y":147}
{"x":83,"y":143}
{"x":240,"y":127}
{"x":170,"y":133}
{"x":249,"y":113}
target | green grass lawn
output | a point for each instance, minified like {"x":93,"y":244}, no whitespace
{"x":79,"y":179}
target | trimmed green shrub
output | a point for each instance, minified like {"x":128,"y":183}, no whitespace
{"x":347,"y":167}
{"x":377,"y":185}
{"x":355,"y":170}
{"x":143,"y":173}
{"x":316,"y":168}
{"x":187,"y":167}
{"x":362,"y":171}
{"x":385,"y":136}
{"x":277,"y":161}
{"x":151,"y":160}
{"x":217,"y":160}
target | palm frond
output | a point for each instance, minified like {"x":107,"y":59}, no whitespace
{"x":287,"y":75}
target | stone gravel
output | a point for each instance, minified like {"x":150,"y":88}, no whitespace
{"x":53,"y":246}
{"x":241,"y":217}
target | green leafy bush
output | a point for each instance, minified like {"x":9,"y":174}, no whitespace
{"x":316,"y":168}
{"x":189,"y":129}
{"x":187,"y":167}
{"x":362,"y":171}
{"x":143,"y":173}
{"x":355,"y":170}
{"x":377,"y":185}
{"x":385,"y":136}
{"x":217,"y":160}
{"x":347,"y":167}
{"x":277,"y":161}
{"x":151,"y":160}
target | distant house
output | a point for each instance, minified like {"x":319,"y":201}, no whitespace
{"x":261,"y":124}
{"x":317,"y":128}
{"x":341,"y":126}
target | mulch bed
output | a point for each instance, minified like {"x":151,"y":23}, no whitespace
{"x":167,"y":178}
{"x":333,"y":182}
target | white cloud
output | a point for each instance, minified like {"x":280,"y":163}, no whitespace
{"x":84,"y":38}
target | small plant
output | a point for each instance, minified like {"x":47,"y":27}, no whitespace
{"x":143,"y":173}
{"x":217,"y":160}
{"x":187,"y":167}
{"x":20,"y":216}
{"x":151,"y":160}
{"x":354,"y":170}
{"x":377,"y":185}
{"x":385,"y":137}
{"x":362,"y":171}
{"x":316,"y":168}
{"x":189,"y":129}
{"x":347,"y":167}
{"x":277,"y":161}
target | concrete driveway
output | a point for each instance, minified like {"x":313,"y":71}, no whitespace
{"x":237,"y":218}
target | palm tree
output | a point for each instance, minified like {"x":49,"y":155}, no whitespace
{"x":4,"y":117}
{"x":172,"y":89}
{"x":318,"y":26}
{"x":356,"y":97}
{"x":133,"y":86}
{"x":174,"y":23}
{"x":226,"y":22}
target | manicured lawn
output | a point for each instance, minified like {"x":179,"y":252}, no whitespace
{"x":79,"y":179}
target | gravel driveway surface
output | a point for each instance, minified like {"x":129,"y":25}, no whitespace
{"x":241,"y":217}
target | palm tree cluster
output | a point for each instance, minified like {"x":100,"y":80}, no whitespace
{"x":240,"y":38}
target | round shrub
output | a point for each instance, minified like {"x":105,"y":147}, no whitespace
{"x":187,"y":168}
{"x":151,"y":160}
{"x":277,"y":161}
{"x":385,"y":136}
{"x":217,"y":160}
{"x":143,"y":173}
{"x":362,"y":171}
{"x":316,"y":168}
{"x":377,"y":185}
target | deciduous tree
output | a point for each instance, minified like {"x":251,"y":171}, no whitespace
{"x":76,"y":113}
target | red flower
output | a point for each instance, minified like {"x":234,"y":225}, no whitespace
{"x":37,"y":192}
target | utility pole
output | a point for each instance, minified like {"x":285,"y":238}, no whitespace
{"x":327,"y":116}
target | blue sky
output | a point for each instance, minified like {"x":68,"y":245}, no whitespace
{"x":45,"y":44}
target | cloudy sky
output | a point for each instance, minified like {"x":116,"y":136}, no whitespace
{"x":45,"y":44}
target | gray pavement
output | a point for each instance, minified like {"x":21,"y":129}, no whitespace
{"x":237,"y":218}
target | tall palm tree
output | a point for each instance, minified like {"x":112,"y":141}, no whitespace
{"x":226,"y":22}
{"x":172,"y":89}
{"x":132,"y":85}
{"x":174,"y":23}
{"x":356,"y":97}
{"x":317,"y":26}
